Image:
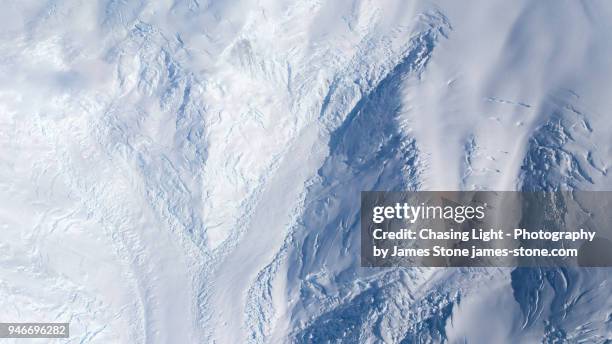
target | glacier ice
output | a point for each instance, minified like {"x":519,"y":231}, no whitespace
{"x":189,"y":171}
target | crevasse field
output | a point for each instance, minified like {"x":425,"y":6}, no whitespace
{"x":190,"y":171}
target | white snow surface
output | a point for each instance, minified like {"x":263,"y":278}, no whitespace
{"x":190,"y":171}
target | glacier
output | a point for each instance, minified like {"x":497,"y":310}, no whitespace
{"x":189,"y":171}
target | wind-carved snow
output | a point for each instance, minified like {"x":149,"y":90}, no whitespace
{"x":190,"y":171}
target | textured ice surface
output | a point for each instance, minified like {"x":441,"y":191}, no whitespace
{"x":189,"y":171}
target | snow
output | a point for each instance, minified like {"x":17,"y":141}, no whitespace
{"x":189,"y":171}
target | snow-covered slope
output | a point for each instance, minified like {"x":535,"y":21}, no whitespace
{"x":189,"y":171}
